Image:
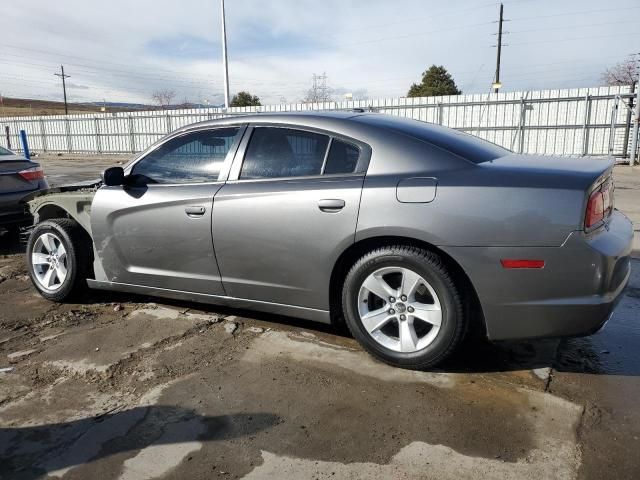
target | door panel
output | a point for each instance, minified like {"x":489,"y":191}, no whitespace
{"x":278,"y":240}
{"x":157,"y":235}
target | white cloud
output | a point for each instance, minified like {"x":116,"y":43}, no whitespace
{"x":122,"y":50}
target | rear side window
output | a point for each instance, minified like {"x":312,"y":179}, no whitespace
{"x":192,"y":158}
{"x":343,"y":158}
{"x":4,"y":151}
{"x":283,"y":152}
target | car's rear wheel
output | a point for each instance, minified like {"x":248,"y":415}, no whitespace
{"x":402,"y":305}
{"x":59,"y":258}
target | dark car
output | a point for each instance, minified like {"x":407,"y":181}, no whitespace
{"x":18,"y":177}
{"x":409,"y":232}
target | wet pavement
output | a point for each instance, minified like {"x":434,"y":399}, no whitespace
{"x":122,"y":386}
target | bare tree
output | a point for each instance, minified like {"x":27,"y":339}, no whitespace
{"x":163,"y":98}
{"x":623,"y":73}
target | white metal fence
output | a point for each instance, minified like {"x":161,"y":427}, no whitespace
{"x":583,"y":121}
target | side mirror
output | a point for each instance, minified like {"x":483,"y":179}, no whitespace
{"x":112,"y":177}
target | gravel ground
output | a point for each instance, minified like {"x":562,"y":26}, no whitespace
{"x":122,"y":386}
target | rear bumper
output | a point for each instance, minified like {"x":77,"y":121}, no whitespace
{"x":13,"y":211}
{"x":574,"y":294}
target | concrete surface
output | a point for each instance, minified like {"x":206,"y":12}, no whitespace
{"x":627,"y":198}
{"x":128,"y":387}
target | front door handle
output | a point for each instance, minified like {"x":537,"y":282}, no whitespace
{"x":195,"y":210}
{"x":331,"y":204}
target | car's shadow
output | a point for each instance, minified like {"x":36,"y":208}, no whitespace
{"x":593,"y":354}
{"x":32,"y":452}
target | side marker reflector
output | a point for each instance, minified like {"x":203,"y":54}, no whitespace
{"x":508,"y":263}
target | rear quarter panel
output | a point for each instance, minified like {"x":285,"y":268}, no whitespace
{"x":473,"y":205}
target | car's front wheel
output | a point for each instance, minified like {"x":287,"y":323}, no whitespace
{"x":402,"y":305}
{"x":58,"y":257}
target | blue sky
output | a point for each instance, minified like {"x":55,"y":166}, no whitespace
{"x":124,"y":50}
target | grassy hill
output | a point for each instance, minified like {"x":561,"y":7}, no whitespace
{"x":13,"y":107}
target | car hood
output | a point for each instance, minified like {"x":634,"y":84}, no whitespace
{"x":86,"y":186}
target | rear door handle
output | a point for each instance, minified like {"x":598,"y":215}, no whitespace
{"x":331,"y":204}
{"x":195,"y":210}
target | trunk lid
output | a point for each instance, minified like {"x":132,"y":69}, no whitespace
{"x":579,"y":173}
{"x":10,"y":179}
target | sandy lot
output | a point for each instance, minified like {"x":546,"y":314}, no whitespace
{"x":121,"y":386}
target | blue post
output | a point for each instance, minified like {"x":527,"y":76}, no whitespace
{"x":25,"y":144}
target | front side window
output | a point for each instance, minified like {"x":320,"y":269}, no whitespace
{"x":283,"y":152}
{"x":192,"y":158}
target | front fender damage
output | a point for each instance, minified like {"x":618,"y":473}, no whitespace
{"x":73,"y":200}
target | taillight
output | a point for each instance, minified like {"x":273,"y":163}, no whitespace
{"x":30,"y":174}
{"x":600,"y":205}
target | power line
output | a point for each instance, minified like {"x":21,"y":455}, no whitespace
{"x":564,"y":27}
{"x":628,"y":34}
{"x":575,"y":13}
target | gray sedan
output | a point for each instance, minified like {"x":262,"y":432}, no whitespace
{"x":410,"y":233}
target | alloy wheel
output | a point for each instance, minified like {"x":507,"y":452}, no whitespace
{"x":49,"y":261}
{"x":399,"y":309}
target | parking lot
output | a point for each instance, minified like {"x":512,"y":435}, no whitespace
{"x":122,"y":386}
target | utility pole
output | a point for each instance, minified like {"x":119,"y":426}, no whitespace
{"x":497,"y":83}
{"x":224,"y":57}
{"x":64,"y":87}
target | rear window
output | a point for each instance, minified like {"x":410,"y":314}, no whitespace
{"x":4,"y":151}
{"x":342,"y":158}
{"x":459,"y":143}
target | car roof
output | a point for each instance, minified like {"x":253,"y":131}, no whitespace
{"x":346,"y":122}
{"x":302,"y":118}
{"x":371,"y":126}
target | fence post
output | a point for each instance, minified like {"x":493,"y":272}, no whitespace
{"x":168,"y":123}
{"x":585,"y":128}
{"x":43,"y":135}
{"x":523,"y":121}
{"x":614,"y":117}
{"x":132,"y":140}
{"x":6,"y":131}
{"x":440,"y":113}
{"x":636,"y":126}
{"x":67,"y":127}
{"x":627,"y":128}
{"x":97,"y":128}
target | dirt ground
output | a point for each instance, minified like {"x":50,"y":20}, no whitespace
{"x":129,"y":387}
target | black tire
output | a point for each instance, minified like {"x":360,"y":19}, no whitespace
{"x":77,"y":244}
{"x":428,"y":265}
